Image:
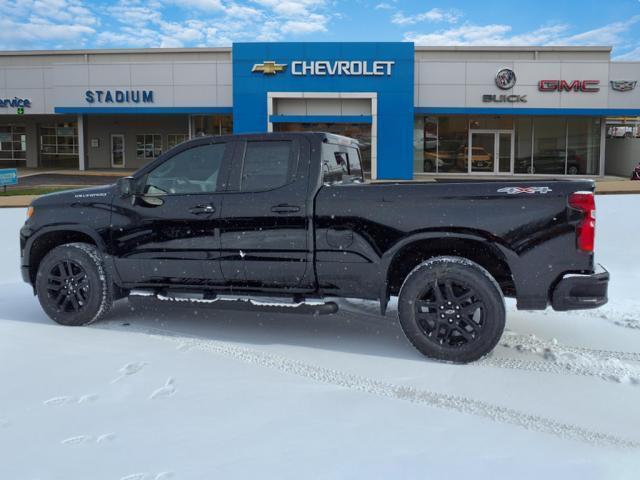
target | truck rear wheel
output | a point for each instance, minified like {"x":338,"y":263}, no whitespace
{"x":73,"y":286}
{"x":451,"y":309}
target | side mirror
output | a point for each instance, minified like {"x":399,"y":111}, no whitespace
{"x":126,"y":186}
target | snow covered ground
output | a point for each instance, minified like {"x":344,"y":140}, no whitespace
{"x":187,"y":392}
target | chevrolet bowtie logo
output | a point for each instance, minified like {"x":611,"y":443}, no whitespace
{"x":269,"y":67}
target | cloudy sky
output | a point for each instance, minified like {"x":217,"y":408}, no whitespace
{"x":64,"y":24}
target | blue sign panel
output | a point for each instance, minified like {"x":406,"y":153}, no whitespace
{"x":8,"y":176}
{"x":382,"y":68}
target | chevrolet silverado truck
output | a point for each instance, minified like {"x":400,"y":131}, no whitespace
{"x":289,"y":216}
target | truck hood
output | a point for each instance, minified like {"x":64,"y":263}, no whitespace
{"x":102,"y":194}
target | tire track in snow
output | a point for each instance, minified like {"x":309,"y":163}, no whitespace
{"x":358,"y":383}
{"x":558,"y":358}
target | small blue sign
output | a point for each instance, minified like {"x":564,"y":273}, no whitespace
{"x":8,"y":176}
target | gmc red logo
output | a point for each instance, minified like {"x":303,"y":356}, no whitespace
{"x":564,"y":86}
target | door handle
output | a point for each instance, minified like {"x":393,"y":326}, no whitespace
{"x":283,"y":208}
{"x":202,"y":209}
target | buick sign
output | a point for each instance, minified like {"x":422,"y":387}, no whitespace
{"x":505,"y":79}
{"x":489,"y":98}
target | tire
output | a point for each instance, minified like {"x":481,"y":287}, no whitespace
{"x":573,"y":170}
{"x":461,"y":323}
{"x":73,"y":286}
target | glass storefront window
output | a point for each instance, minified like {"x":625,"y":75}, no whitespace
{"x":542,"y":145}
{"x":523,"y":160}
{"x":358,"y":131}
{"x":174,"y":139}
{"x":490,"y":122}
{"x":549,"y":145}
{"x":148,"y":146}
{"x":13,"y":146}
{"x":583,"y":149}
{"x":204,"y":125}
{"x":59,"y":145}
{"x":430,"y":144}
{"x":453,"y":136}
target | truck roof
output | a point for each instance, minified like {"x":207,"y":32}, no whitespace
{"x":324,"y":136}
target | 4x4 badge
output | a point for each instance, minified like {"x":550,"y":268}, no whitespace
{"x":516,"y":190}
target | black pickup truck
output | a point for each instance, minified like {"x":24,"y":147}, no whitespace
{"x":290,"y":216}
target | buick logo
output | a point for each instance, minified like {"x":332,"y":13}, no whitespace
{"x":505,"y":79}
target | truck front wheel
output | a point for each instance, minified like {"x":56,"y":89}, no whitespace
{"x":73,"y":286}
{"x":451,"y":309}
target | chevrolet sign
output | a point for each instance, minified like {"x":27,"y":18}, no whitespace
{"x":342,"y":67}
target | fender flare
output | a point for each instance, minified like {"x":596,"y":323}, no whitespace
{"x":508,"y":256}
{"x":70,"y":227}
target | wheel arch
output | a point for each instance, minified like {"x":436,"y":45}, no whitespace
{"x":417,"y":249}
{"x":49,"y":238}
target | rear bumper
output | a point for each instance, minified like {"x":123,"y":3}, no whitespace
{"x":26,"y":276}
{"x":579,"y":292}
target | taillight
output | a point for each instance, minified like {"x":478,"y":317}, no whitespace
{"x":586,"y":229}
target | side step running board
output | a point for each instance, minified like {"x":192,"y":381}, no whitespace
{"x":244,"y":304}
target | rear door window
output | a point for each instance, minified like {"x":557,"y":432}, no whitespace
{"x":267,"y":165}
{"x":339,"y":163}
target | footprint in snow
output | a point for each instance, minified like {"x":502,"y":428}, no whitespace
{"x":89,"y":398}
{"x":130,"y":369}
{"x":77,"y":440}
{"x":57,"y":401}
{"x":83,"y":439}
{"x":137,"y":476}
{"x":149,"y":476}
{"x":65,"y":400}
{"x":166,"y":391}
{"x":107,"y":437}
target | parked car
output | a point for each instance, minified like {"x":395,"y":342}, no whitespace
{"x":456,"y":160}
{"x":552,"y":162}
{"x":288,"y":215}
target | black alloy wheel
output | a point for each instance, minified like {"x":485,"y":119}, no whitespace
{"x":451,"y":309}
{"x":450,"y":313}
{"x":73,"y":286}
{"x":68,"y":286}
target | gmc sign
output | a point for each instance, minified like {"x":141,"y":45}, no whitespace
{"x":564,"y":86}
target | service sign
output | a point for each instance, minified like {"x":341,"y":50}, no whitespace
{"x":8,"y":176}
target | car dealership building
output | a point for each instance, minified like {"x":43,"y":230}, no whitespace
{"x":415,"y":110}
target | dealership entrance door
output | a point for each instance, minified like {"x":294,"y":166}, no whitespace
{"x":490,"y":151}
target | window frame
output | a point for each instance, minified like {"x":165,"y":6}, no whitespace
{"x":222,"y":183}
{"x":169,"y":135}
{"x":154,"y":157}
